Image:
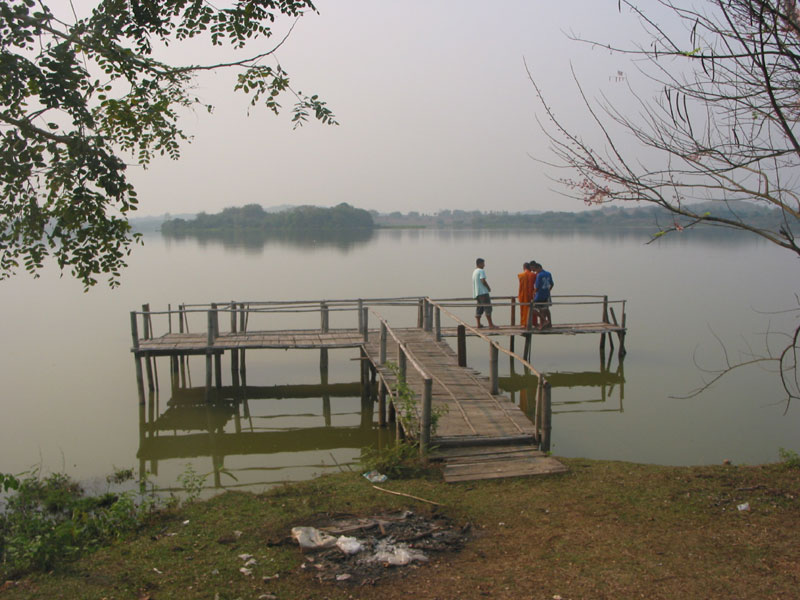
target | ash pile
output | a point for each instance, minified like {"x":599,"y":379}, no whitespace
{"x":361,"y":550}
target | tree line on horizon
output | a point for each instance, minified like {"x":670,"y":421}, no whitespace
{"x":344,"y":217}
{"x":253,"y":217}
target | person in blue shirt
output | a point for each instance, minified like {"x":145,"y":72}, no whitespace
{"x":480,"y":291}
{"x":541,"y":294}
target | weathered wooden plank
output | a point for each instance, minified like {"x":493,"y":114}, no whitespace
{"x":502,"y":468}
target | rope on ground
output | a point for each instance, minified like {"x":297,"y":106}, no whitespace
{"x":407,"y":496}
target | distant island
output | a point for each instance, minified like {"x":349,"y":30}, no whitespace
{"x":253,"y":219}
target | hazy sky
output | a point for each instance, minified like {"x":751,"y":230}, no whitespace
{"x":434,"y":102}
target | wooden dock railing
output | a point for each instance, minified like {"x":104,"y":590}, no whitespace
{"x":543,"y":412}
{"x":215,"y":335}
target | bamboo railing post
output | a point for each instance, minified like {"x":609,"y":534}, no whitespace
{"x":365,"y":320}
{"x":420,"y":313}
{"x":360,"y":315}
{"x":538,"y":419}
{"x":547,"y":418}
{"x":323,"y":312}
{"x":425,"y":425}
{"x":605,"y":309}
{"x":181,"y":316}
{"x":462,"y":345}
{"x":209,"y":352}
{"x":402,"y":362}
{"x":134,"y":330}
{"x":382,"y":405}
{"x":148,"y":333}
{"x":437,"y":323}
{"x":169,"y":318}
{"x":382,"y":357}
{"x":493,"y":369}
{"x":217,"y":355}
{"x":514,"y":311}
{"x":137,"y":359}
{"x":234,"y":352}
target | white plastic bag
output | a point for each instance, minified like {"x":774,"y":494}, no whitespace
{"x":311,"y":538}
{"x":349,"y":545}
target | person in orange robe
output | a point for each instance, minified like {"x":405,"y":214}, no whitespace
{"x":526,"y":280}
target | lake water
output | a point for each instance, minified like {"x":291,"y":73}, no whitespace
{"x":70,"y":400}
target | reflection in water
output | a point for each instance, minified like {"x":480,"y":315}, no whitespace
{"x":302,"y":422}
{"x":256,"y":241}
{"x":263,"y":435}
{"x":523,"y":388}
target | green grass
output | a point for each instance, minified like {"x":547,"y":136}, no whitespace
{"x":601,"y":530}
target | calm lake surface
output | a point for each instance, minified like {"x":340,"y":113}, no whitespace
{"x":70,"y":401}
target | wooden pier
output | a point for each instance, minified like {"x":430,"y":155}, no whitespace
{"x":458,"y":412}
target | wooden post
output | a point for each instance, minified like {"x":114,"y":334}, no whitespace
{"x":365,"y":319}
{"x":323,"y":312}
{"x":493,"y":369}
{"x":181,"y":316}
{"x":384,"y":332}
{"x":402,"y":361}
{"x":537,"y":418}
{"x":382,"y":404}
{"x":209,"y":353}
{"x":462,"y":345}
{"x":437,"y":323}
{"x":420,"y":313}
{"x":526,"y":351}
{"x":217,"y":355}
{"x":147,"y":324}
{"x":547,"y":418}
{"x":134,"y":330}
{"x":234,"y":352}
{"x":621,"y":334}
{"x":242,"y":328}
{"x":427,"y":315}
{"x":360,"y":315}
{"x":605,"y":309}
{"x":169,"y":318}
{"x":514,"y":311}
{"x":323,"y":366}
{"x":425,"y":425}
{"x":364,"y":375}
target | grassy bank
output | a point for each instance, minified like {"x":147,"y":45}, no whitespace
{"x":602,"y":530}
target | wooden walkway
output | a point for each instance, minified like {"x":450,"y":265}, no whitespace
{"x":479,"y":432}
{"x":479,"y":435}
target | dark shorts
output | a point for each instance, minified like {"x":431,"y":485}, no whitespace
{"x":542,"y":304}
{"x":481,"y":300}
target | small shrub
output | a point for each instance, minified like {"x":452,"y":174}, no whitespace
{"x":789,"y":458}
{"x":399,"y":461}
{"x":48,"y":521}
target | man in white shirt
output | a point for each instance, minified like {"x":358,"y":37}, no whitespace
{"x":480,"y":291}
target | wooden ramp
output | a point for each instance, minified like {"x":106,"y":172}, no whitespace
{"x":480,"y":435}
{"x":494,"y":462}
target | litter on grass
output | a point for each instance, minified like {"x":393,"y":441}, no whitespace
{"x":361,"y":550}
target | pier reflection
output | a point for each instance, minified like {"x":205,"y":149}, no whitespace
{"x":256,"y":436}
{"x":606,"y":389}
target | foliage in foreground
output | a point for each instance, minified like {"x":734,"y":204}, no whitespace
{"x":48,"y":521}
{"x":601,"y":530}
{"x":79,"y":95}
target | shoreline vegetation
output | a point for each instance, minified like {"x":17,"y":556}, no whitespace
{"x":604,"y":529}
{"x":346,"y":218}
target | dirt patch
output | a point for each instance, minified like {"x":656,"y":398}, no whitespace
{"x":362,"y":550}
